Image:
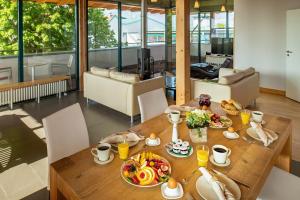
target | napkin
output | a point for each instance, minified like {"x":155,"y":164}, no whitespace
{"x":220,"y":188}
{"x":118,"y":138}
{"x":261,"y":133}
{"x":179,"y":108}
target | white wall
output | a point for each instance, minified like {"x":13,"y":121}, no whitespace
{"x":293,"y":4}
{"x":260,"y":34}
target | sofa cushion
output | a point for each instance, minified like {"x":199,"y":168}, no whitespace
{"x":125,"y":77}
{"x":229,"y":79}
{"x":100,"y":71}
{"x":248,"y":72}
{"x":226,"y":72}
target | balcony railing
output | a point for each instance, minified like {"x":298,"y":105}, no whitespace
{"x":105,"y":57}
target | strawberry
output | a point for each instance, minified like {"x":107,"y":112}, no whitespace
{"x":135,"y":180}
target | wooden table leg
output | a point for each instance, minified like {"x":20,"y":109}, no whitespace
{"x":53,"y":184}
{"x":285,"y":157}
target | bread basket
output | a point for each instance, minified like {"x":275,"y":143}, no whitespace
{"x":231,"y":112}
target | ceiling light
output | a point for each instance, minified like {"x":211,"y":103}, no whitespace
{"x":154,"y":1}
{"x":197,"y":4}
{"x":223,"y":8}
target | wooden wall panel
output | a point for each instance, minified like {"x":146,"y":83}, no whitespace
{"x":83,"y":48}
{"x":183,"y":83}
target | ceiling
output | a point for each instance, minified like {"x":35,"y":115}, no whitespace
{"x":159,"y":7}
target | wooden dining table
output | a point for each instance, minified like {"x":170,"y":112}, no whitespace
{"x":79,"y":177}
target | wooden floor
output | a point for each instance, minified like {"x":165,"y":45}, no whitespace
{"x":285,"y":107}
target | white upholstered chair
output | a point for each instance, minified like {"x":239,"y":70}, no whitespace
{"x":66,"y":133}
{"x":280,"y":185}
{"x":152,"y":103}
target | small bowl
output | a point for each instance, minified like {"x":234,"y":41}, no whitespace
{"x":172,"y":192}
{"x":176,"y":193}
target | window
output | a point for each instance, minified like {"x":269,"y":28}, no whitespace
{"x":49,"y":40}
{"x":155,"y":28}
{"x":219,"y":25}
{"x":131,"y":36}
{"x":231,"y":24}
{"x":8,"y":42}
{"x":103,"y":36}
{"x":205,"y":28}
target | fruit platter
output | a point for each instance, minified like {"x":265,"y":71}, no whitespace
{"x":146,"y":169}
{"x":179,"y":149}
{"x":218,"y":121}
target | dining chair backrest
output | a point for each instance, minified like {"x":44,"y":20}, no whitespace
{"x":66,"y":133}
{"x":152,"y":104}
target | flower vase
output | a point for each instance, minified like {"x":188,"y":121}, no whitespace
{"x":198,"y":135}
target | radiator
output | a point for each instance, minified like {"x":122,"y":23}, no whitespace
{"x":32,"y":92}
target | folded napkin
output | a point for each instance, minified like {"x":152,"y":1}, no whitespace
{"x":118,"y":138}
{"x":261,"y":133}
{"x":179,"y":108}
{"x":220,"y":188}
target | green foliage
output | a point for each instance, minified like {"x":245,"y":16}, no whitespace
{"x":8,"y":27}
{"x":48,"y":27}
{"x":99,"y":31}
{"x":197,"y":119}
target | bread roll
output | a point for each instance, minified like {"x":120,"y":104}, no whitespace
{"x":229,"y":107}
{"x":237,"y":105}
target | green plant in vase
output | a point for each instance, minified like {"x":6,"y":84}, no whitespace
{"x":197,"y":121}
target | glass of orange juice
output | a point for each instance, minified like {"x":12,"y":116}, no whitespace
{"x":202,"y":155}
{"x":123,"y":149}
{"x":245,"y":116}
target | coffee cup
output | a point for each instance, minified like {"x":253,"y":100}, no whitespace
{"x":102,"y":151}
{"x":257,"y":116}
{"x":174,"y":115}
{"x":220,"y":153}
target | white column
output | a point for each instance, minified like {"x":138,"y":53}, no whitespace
{"x":144,"y":9}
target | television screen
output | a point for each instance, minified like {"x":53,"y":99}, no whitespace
{"x":222,"y":46}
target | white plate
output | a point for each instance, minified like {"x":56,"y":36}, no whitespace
{"x":152,"y":145}
{"x":178,"y":155}
{"x":143,"y":186}
{"x":163,"y":188}
{"x":212,"y":160}
{"x":169,"y":119}
{"x":111,"y":157}
{"x":229,"y":137}
{"x":224,"y":126}
{"x":263,"y":122}
{"x":131,"y":144}
{"x":252,"y":133}
{"x":205,"y":190}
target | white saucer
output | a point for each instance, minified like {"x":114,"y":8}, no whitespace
{"x":152,"y":145}
{"x":180,"y":120}
{"x":229,"y":137}
{"x":263,"y":122}
{"x":227,"y":163}
{"x":163,"y":187}
{"x":111,"y":157}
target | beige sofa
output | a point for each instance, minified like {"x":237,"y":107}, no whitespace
{"x":120,"y":92}
{"x":240,"y":85}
